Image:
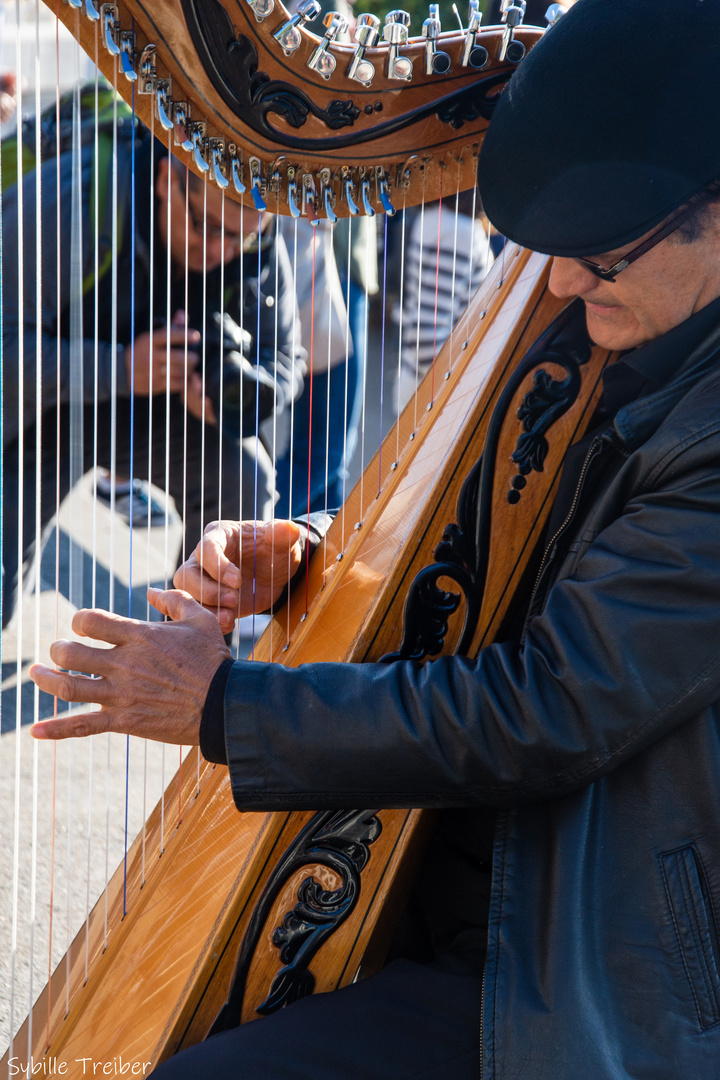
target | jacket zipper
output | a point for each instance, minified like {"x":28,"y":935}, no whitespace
{"x":593,"y":449}
{"x":482,"y":1011}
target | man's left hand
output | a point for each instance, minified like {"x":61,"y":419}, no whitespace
{"x":152,"y":683}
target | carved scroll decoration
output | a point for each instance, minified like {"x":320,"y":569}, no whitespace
{"x":339,"y":841}
{"x":463,"y":553}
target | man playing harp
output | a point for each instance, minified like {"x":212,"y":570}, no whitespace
{"x":581,"y":755}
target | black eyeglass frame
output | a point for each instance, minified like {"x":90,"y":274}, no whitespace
{"x":673,"y":223}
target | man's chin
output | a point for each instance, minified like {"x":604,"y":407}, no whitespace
{"x":603,"y":332}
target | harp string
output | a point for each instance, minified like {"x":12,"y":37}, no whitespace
{"x":19,"y":621}
{"x":437,"y":290}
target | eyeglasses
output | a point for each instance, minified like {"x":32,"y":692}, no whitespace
{"x":674,"y":222}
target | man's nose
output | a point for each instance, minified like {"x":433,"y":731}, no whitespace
{"x":570,"y":278}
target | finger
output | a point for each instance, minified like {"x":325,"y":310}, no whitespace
{"x":174,"y":603}
{"x":283,"y":534}
{"x":211,"y":555}
{"x":69,"y":687}
{"x":191,"y":579}
{"x":71,"y":727}
{"x":106,"y":626}
{"x":76,"y":657}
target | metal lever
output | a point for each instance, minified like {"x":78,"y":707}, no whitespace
{"x":91,"y":11}
{"x":292,"y":199}
{"x":77,"y":4}
{"x":513,"y":13}
{"x":349,"y":192}
{"x":321,"y":60}
{"x":554,"y":13}
{"x":262,"y":8}
{"x":436,"y":61}
{"x":329,"y":212}
{"x":217,"y":153}
{"x":147,"y":70}
{"x":310,"y":201}
{"x":474,"y":55}
{"x":289,"y":36}
{"x":163,"y":104}
{"x":365,"y":190}
{"x":255,"y":177}
{"x":111,"y":25}
{"x":127,"y":55}
{"x":395,"y":32}
{"x":181,"y":126}
{"x":197,"y":137}
{"x":367,"y":34}
{"x":385,"y":197}
{"x":235,"y":168}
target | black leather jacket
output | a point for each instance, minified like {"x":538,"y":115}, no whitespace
{"x":597,"y":737}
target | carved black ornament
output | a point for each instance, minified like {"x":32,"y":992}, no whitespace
{"x":338,"y":840}
{"x":462,"y":555}
{"x":231,"y":63}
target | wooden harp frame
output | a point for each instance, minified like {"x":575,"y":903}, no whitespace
{"x":309,"y":901}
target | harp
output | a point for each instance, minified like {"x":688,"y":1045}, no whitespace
{"x":212,"y":910}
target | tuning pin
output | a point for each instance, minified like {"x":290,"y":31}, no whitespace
{"x":395,"y":32}
{"x":436,"y":61}
{"x":127,"y":55}
{"x":321,"y":60}
{"x":474,"y":55}
{"x":111,"y":28}
{"x":262,"y":8}
{"x":513,"y":13}
{"x":367,"y":34}
{"x":554,"y":13}
{"x":289,"y":36}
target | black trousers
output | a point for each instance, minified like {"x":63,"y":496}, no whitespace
{"x":200,"y":499}
{"x":409,"y":1022}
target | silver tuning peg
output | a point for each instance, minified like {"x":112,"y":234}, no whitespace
{"x":321,"y":60}
{"x":554,"y":13}
{"x":513,"y":13}
{"x":436,"y":61}
{"x":395,"y":32}
{"x":474,"y":55}
{"x":262,"y":8}
{"x":289,"y":36}
{"x":367,"y":34}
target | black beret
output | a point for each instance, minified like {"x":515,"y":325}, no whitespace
{"x":608,"y":125}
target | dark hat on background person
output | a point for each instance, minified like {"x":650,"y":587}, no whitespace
{"x":608,"y":125}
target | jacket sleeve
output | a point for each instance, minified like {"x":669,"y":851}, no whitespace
{"x":40,"y":330}
{"x":625,"y":650}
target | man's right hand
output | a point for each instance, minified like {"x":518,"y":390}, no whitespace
{"x":241,"y":567}
{"x":168,"y":368}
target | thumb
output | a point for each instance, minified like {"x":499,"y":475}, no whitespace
{"x":284,"y":534}
{"x":174,"y":603}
